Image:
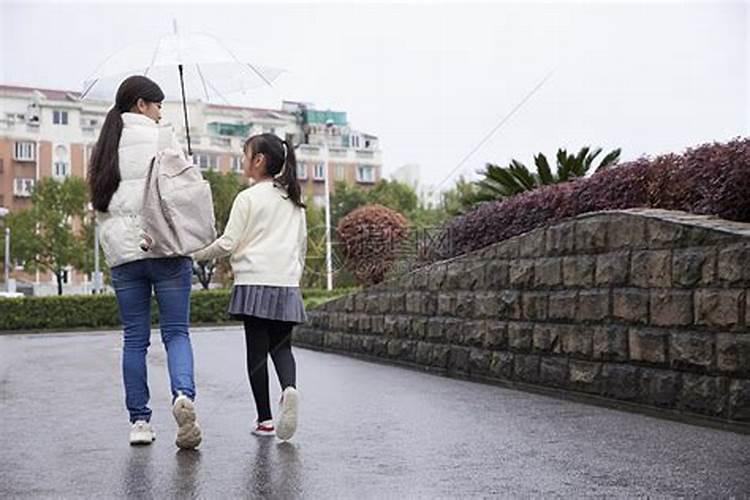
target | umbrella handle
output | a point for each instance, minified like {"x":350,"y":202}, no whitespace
{"x":184,"y":109}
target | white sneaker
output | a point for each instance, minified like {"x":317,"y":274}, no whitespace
{"x":287,"y":424}
{"x":141,"y":432}
{"x":188,"y":430}
{"x":264,"y":428}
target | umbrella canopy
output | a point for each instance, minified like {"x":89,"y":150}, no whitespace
{"x":212,"y":69}
{"x":197,"y":65}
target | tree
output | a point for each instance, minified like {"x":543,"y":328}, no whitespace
{"x":502,"y":182}
{"x":344,"y":200}
{"x":314,"y":275}
{"x":395,"y":195}
{"x":460,"y":197}
{"x":388,"y":193}
{"x":224,"y":189}
{"x":48,"y":236}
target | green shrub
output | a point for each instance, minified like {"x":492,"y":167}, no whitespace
{"x":100,"y":311}
{"x":43,"y":313}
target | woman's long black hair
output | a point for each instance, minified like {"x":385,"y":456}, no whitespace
{"x":104,"y":167}
{"x":281,"y":162}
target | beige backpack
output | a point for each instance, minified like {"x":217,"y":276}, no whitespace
{"x":178,"y":210}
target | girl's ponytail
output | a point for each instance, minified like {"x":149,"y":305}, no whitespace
{"x":288,"y":175}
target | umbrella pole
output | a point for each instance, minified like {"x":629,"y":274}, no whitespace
{"x":184,"y":109}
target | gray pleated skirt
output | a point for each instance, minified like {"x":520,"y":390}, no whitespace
{"x":269,"y":302}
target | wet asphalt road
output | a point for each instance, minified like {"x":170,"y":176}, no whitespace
{"x":366,"y":431}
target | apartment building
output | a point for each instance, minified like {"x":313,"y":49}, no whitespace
{"x":50,"y":133}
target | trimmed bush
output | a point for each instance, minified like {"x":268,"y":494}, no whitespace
{"x":60,"y":312}
{"x":100,"y":311}
{"x":370,"y":236}
{"x":711,"y":179}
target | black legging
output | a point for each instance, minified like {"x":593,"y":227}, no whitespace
{"x":264,"y":337}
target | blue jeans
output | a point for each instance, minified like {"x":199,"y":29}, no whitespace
{"x":170,"y":279}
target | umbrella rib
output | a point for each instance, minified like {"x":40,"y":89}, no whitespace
{"x":203,"y":81}
{"x":259,"y":74}
{"x":226,"y":101}
{"x":241,"y":63}
{"x":88,"y":89}
{"x":101,"y":65}
{"x":153,"y":57}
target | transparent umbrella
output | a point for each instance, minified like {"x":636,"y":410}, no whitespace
{"x":198,"y":65}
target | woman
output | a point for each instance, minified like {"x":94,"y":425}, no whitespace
{"x":266,"y":237}
{"x":129,"y":139}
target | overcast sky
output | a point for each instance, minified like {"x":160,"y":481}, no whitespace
{"x":432,"y":80}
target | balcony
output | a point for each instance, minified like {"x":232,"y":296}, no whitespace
{"x":223,"y":142}
{"x":338,"y":152}
{"x":307,"y":149}
{"x":229,"y":129}
{"x":194,"y":139}
{"x":365,"y":154}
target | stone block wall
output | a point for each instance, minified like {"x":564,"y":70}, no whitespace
{"x":644,"y":306}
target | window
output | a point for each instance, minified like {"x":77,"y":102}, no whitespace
{"x":15,"y":117}
{"x":237,"y":164}
{"x":205,"y":161}
{"x":25,"y":151}
{"x":355,"y":141}
{"x":23,"y":187}
{"x":318,"y":172}
{"x":302,"y":171}
{"x":365,"y":173}
{"x":340,"y":172}
{"x":61,"y":169}
{"x":65,"y":276}
{"x":60,"y":117}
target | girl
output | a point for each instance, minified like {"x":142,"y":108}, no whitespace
{"x":266,"y":235}
{"x":128,"y":141}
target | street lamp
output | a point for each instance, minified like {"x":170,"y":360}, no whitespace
{"x":326,"y":188}
{"x":97,"y":278}
{"x":4,"y":212}
{"x":97,"y":271}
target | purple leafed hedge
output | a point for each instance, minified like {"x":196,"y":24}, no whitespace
{"x":709,"y":179}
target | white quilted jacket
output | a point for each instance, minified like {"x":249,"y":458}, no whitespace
{"x":120,"y":227}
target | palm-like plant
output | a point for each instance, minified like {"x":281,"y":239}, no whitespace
{"x":502,"y":182}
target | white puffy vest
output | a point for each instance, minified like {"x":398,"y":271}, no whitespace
{"x":120,"y":227}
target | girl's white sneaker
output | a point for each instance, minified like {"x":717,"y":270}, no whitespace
{"x":287,"y":424}
{"x":141,"y":432}
{"x":264,"y":428}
